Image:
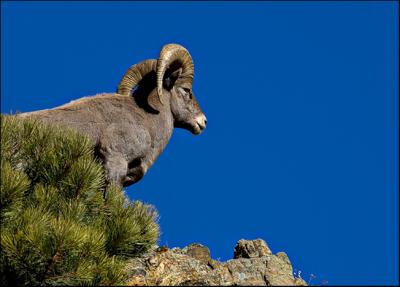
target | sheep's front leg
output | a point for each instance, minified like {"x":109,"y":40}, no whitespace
{"x":123,"y":147}
{"x":122,"y":172}
{"x":116,"y":167}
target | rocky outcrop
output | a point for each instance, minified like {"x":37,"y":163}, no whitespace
{"x":253,"y":264}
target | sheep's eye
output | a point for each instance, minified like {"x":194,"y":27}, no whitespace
{"x":187,"y":92}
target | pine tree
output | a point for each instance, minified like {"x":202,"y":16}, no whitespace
{"x":61,"y":224}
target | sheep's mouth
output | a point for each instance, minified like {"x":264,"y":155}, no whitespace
{"x":194,"y":127}
{"x":199,"y":128}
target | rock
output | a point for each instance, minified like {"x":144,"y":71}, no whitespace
{"x":299,"y":282}
{"x":251,"y":249}
{"x":254,"y":264}
{"x":198,"y":251}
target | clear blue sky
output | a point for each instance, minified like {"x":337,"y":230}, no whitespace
{"x":301,"y":147}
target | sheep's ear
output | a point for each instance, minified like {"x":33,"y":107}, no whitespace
{"x":169,"y":81}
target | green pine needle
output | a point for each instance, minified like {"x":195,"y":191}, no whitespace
{"x":61,"y":224}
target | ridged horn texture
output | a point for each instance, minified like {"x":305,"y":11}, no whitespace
{"x":174,"y":53}
{"x":134,"y":74}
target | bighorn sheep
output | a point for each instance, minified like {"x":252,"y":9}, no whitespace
{"x":131,"y":128}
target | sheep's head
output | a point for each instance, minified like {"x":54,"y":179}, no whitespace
{"x":174,"y":79}
{"x":186,"y":110}
{"x":172,"y":76}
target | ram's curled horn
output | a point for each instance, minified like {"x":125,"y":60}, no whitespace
{"x":174,"y":53}
{"x":134,"y":74}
